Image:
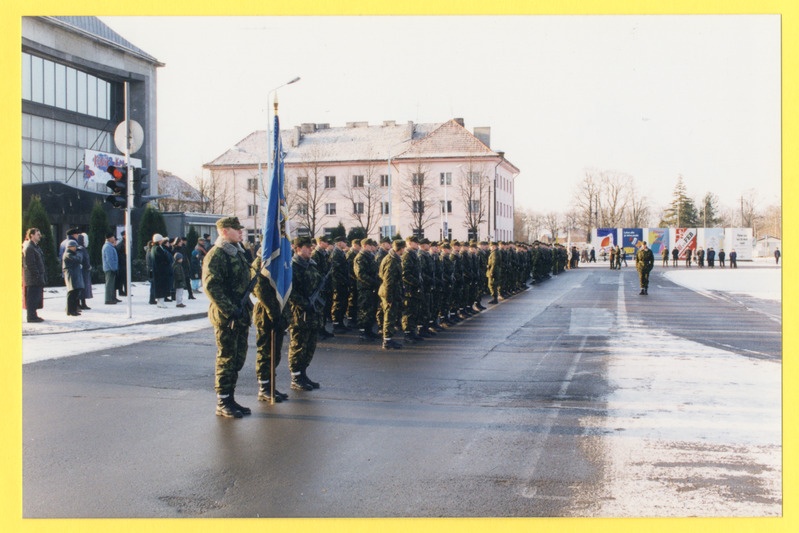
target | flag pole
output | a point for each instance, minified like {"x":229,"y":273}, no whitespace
{"x":273,"y":340}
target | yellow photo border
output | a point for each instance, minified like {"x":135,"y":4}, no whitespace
{"x":10,"y":215}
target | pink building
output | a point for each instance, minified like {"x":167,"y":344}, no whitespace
{"x":427,"y":179}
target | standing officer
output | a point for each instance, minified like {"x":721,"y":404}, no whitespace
{"x":390,"y":292}
{"x":412,"y":287}
{"x":321,"y":256}
{"x":305,"y":317}
{"x":340,"y":284}
{"x":368,"y":283}
{"x":226,"y":276}
{"x":644,"y":262}
{"x":352,"y":300}
{"x":494,"y":272}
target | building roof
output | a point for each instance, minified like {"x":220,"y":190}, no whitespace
{"x":177,"y":188}
{"x":359,"y":141}
{"x":97,"y":29}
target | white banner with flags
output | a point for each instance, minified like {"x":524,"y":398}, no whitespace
{"x":96,"y":163}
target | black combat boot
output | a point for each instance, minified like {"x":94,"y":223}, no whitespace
{"x":391,"y":344}
{"x":297,"y":383}
{"x":225,"y":407}
{"x":643,"y":291}
{"x":264,"y":393}
{"x":340,"y":328}
{"x":237,"y":405}
{"x":493,"y":301}
{"x":308,"y":380}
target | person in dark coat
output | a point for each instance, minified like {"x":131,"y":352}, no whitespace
{"x":83,"y":253}
{"x":161,"y":261}
{"x":777,"y":255}
{"x":733,"y":258}
{"x":711,"y":257}
{"x":34,"y":274}
{"x":722,"y":257}
{"x":122,"y":274}
{"x":72,"y":268}
{"x":675,"y":255}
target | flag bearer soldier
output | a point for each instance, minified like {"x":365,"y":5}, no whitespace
{"x":226,"y":275}
{"x":340,"y":284}
{"x":368,"y":282}
{"x":268,"y":318}
{"x":391,"y":293}
{"x":305,"y":317}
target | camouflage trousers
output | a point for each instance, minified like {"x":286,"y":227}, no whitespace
{"x":302,"y":344}
{"x":339,"y":308}
{"x":352,"y":303}
{"x":367,"y":308}
{"x":391,"y":316}
{"x":231,"y":352}
{"x":643,"y":276}
{"x":263,"y":345}
{"x":411,"y":312}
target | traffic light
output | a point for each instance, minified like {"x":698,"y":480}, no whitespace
{"x":141,"y":187}
{"x":118,"y":185}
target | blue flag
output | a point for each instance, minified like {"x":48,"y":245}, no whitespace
{"x":276,"y":251}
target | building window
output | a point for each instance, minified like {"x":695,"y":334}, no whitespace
{"x":357,"y":181}
{"x":52,"y":84}
{"x":418,"y":207}
{"x":302,"y":209}
{"x":330,"y":209}
{"x":252,"y":210}
{"x":385,"y":208}
{"x":474,"y":178}
{"x":388,"y":231}
{"x":446,"y":208}
{"x":446,"y":178}
{"x":330,"y":182}
{"x":357,"y":208}
{"x":384,"y":180}
{"x":474,"y":206}
{"x":417,"y":178}
{"x":252,"y":184}
{"x":302,"y":182}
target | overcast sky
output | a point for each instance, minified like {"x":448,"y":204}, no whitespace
{"x":650,"y":96}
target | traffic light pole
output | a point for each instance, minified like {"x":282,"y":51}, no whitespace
{"x":129,"y":206}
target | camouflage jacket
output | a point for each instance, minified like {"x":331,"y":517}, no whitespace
{"x":366,"y":271}
{"x":226,"y":274}
{"x":391,"y":274}
{"x":339,"y":270}
{"x":411,"y":273}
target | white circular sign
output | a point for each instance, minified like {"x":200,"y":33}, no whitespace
{"x":135,"y":140}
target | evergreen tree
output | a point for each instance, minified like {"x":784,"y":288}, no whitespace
{"x":709,"y":212}
{"x":36,"y":217}
{"x":681,"y":212}
{"x":191,"y":238}
{"x":356,"y":233}
{"x":339,"y":231}
{"x":98,"y":226}
{"x":152,"y":221}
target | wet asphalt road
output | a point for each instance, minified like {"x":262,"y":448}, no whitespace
{"x":483,"y":420}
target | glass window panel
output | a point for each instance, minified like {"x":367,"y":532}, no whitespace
{"x":49,"y":130}
{"x":74,"y":156}
{"x":102,"y":99}
{"x":61,"y":86}
{"x":37,"y":82}
{"x":26,"y":150}
{"x":72,"y":89}
{"x":37,"y":127}
{"x":60,"y":174}
{"x":36,"y":172}
{"x":72,"y":134}
{"x":36,"y":151}
{"x":91,"y":94}
{"x":61,"y":132}
{"x":60,"y":155}
{"x":26,"y":76}
{"x":49,"y":82}
{"x":81,"y":92}
{"x":82,"y":137}
{"x":48,"y":173}
{"x":48,"y":153}
{"x":26,"y":126}
{"x":26,"y":174}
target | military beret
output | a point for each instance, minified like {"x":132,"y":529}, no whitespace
{"x":356,"y":242}
{"x":367,"y":241}
{"x":455,"y":243}
{"x":434,"y":243}
{"x":412,"y":238}
{"x":446,"y":246}
{"x":229,"y":222}
{"x":385,"y":239}
{"x":339,"y":239}
{"x":473,"y":244}
{"x":322,"y":239}
{"x":302,"y":241}
{"x":399,"y":244}
{"x":483,"y":243}
{"x":424,"y":240}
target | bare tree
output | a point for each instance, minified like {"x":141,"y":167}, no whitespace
{"x":748,"y":214}
{"x":416,"y":193}
{"x":473,"y":189}
{"x":310,"y":190}
{"x":363,"y":190}
{"x":552,"y":223}
{"x":770,"y":222}
{"x":586,"y":200}
{"x":216,"y":193}
{"x":639,"y":211}
{"x":571,"y":221}
{"x":613,"y":197}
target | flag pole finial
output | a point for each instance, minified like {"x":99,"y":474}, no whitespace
{"x":274,"y":103}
